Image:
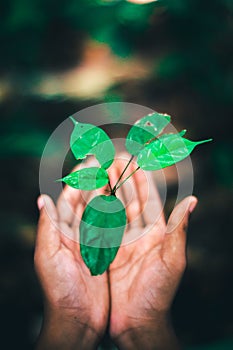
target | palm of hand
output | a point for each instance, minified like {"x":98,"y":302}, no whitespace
{"x":75,"y":287}
{"x":142,"y":285}
{"x":65,"y":279}
{"x":146,"y":272}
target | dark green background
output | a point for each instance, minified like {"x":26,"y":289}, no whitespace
{"x":189,"y":44}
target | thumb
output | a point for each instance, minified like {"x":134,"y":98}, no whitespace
{"x":174,"y":247}
{"x":48,"y":237}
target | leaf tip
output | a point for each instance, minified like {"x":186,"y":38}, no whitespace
{"x":73,"y":120}
{"x":183,"y":132}
{"x":94,"y":272}
{"x":166,"y":116}
{"x":204,"y":141}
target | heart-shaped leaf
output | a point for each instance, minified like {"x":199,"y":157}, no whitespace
{"x":101,"y":231}
{"x":165,"y":151}
{"x":88,"y":139}
{"x":87,"y":179}
{"x":144,"y":130}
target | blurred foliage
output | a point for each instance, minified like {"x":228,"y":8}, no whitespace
{"x":42,"y":33}
{"x":223,"y":161}
{"x":224,"y":345}
{"x":190,"y":41}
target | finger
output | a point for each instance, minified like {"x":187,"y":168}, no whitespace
{"x":174,"y":246}
{"x":84,"y":198}
{"x":149,"y":198}
{"x":67,"y":202}
{"x":114,"y":174}
{"x":117,"y":172}
{"x":133,"y":207}
{"x":84,"y":201}
{"x":99,"y":191}
{"x":71,"y":198}
{"x":48,"y":237}
{"x":126,"y":193}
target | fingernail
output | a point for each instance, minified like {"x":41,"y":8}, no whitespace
{"x":40,"y":202}
{"x":192,"y":206}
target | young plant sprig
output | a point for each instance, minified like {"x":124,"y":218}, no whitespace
{"x":104,"y":219}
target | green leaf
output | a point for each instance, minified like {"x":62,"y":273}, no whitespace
{"x":87,"y":179}
{"x":101,"y":231}
{"x":165,"y":151}
{"x":144,"y":130}
{"x":88,"y":139}
{"x":182,"y":132}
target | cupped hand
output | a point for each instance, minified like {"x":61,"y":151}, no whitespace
{"x":76,"y":303}
{"x":147,"y":270}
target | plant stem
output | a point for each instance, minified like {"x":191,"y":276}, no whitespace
{"x":127,"y":178}
{"x":110,"y":187}
{"x":126,"y":167}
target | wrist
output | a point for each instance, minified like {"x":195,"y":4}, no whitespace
{"x":150,"y":334}
{"x":64,"y":330}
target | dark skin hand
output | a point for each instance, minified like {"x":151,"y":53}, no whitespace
{"x":142,"y":280}
{"x":145,"y":275}
{"x":76,"y":304}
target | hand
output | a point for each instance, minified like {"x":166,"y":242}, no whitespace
{"x":76,"y":303}
{"x":146,"y":273}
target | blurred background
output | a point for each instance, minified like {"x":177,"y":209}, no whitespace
{"x":173,"y":56}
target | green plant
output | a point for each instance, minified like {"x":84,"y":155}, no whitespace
{"x":104,"y":218}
